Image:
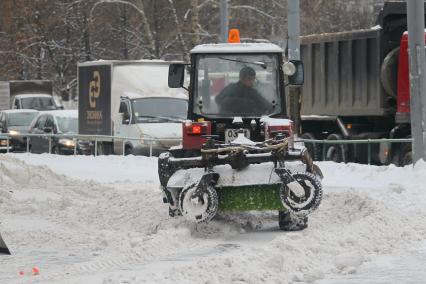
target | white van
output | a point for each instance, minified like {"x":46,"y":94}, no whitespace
{"x":131,"y":101}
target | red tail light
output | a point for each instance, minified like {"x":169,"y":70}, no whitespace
{"x":193,"y":134}
{"x":196,"y":128}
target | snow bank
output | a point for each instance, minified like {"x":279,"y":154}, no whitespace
{"x":101,"y":220}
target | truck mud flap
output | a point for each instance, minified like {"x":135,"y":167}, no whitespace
{"x":3,"y":247}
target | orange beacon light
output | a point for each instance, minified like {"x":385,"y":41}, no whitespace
{"x":234,"y":36}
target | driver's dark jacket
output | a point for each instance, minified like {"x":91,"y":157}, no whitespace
{"x":238,"y":98}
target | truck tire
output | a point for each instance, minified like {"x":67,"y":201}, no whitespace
{"x":336,"y":152}
{"x":314,"y":149}
{"x":389,"y":73}
{"x":405,"y":155}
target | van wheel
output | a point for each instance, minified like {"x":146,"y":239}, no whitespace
{"x":128,"y":150}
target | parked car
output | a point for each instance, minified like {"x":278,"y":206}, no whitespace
{"x":15,"y":122}
{"x":54,"y":122}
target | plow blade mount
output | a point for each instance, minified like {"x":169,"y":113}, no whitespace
{"x":3,"y":247}
{"x":233,"y":178}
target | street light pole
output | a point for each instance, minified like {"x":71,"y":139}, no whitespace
{"x":293,"y":47}
{"x":416,"y":44}
{"x":293,"y":26}
{"x":224,"y":21}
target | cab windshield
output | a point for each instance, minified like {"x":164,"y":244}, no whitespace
{"x":38,"y":103}
{"x":228,"y":85}
{"x":160,"y":109}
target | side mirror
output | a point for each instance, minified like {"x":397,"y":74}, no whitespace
{"x":294,"y":70}
{"x":48,"y":130}
{"x":176,"y":75}
{"x":126,"y":118}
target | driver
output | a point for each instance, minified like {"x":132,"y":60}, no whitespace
{"x":241,"y":97}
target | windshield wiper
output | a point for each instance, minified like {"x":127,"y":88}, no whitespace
{"x":167,"y":118}
{"x":259,"y":63}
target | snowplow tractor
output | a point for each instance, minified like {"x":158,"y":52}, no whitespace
{"x":3,"y":248}
{"x":238,"y":151}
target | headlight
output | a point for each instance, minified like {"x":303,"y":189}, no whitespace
{"x":3,"y":142}
{"x":67,"y":142}
{"x":289,"y":68}
{"x":13,"y":132}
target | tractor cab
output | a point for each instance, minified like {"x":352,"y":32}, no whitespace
{"x":235,"y":87}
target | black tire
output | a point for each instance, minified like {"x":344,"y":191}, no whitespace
{"x":336,"y":152}
{"x":55,"y":150}
{"x":389,"y":72}
{"x":128,"y":150}
{"x":406,"y":155}
{"x":314,"y":149}
{"x":211,"y":208}
{"x":290,"y":222}
{"x":309,"y":201}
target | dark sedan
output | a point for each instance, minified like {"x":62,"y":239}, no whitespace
{"x":54,"y":122}
{"x":15,"y":123}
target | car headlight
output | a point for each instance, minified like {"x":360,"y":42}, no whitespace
{"x":3,"y":142}
{"x":147,"y":139}
{"x":13,"y":132}
{"x":66,"y":142}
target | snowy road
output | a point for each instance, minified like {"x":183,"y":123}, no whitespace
{"x":115,"y":229}
{"x":407,"y":268}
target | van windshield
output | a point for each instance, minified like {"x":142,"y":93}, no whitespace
{"x":228,"y":85}
{"x":160,"y":109}
{"x":38,"y":103}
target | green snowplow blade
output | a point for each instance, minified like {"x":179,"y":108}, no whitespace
{"x":250,"y":197}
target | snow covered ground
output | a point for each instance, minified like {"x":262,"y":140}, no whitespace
{"x":101,"y":220}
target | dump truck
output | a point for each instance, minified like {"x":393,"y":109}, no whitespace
{"x":238,"y":152}
{"x":357,"y":87}
{"x":128,"y":106}
{"x":27,"y":94}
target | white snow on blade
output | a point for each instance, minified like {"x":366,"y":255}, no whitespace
{"x":254,"y":174}
{"x":101,"y":220}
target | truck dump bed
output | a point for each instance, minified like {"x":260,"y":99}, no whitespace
{"x":342,"y":74}
{"x":343,"y":70}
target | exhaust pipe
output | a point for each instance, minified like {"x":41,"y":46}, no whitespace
{"x":3,"y":247}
